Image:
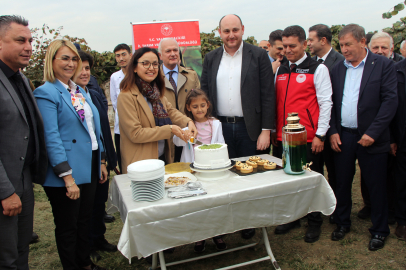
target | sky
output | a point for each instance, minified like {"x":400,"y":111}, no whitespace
{"x":104,"y":24}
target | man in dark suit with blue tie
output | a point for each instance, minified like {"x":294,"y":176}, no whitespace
{"x":364,"y":103}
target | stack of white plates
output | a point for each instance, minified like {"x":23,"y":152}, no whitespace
{"x":147,"y":179}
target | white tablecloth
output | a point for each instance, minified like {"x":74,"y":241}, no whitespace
{"x":233,"y":204}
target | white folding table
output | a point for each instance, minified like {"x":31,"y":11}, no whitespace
{"x":231,"y":204}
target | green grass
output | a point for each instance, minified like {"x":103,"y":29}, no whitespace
{"x":290,"y":250}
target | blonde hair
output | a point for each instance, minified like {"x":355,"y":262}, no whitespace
{"x":50,"y":56}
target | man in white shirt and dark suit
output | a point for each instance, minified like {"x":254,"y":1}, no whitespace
{"x":319,"y":43}
{"x":238,"y":79}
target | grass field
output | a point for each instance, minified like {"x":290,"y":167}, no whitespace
{"x":290,"y":250}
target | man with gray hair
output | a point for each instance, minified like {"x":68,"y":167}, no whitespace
{"x":364,"y":103}
{"x":402,"y":48}
{"x":179,"y":81}
{"x":23,"y":159}
{"x":382,"y":43}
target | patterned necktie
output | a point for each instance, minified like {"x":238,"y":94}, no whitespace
{"x":172,"y":81}
{"x":320,"y":60}
{"x":175,"y":88}
{"x":292,"y":67}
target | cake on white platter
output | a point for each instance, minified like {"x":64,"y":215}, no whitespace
{"x":211,"y":156}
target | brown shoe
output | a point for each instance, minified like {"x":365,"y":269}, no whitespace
{"x":401,"y":232}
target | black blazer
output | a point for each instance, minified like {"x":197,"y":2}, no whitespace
{"x":332,"y":59}
{"x":377,"y":100}
{"x":111,"y":156}
{"x":257,"y":87}
{"x":398,"y":124}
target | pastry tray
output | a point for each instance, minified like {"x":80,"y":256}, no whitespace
{"x":259,"y":169}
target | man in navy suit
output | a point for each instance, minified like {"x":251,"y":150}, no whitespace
{"x":364,"y":103}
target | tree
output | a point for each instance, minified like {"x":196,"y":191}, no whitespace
{"x":393,"y":11}
{"x":104,"y":63}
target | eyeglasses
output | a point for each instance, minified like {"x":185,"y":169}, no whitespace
{"x":147,"y":64}
{"x":67,"y":59}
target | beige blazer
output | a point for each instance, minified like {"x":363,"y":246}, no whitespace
{"x":187,"y":80}
{"x":139,"y":135}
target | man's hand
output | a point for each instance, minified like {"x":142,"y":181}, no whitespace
{"x":264,"y":140}
{"x":335,"y":142}
{"x":366,"y":141}
{"x":393,"y":149}
{"x":273,"y":139}
{"x":103,"y":174}
{"x":12,"y":205}
{"x":275,"y":65}
{"x":317,"y":145}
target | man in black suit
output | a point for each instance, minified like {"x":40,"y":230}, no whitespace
{"x":238,"y":80}
{"x":398,"y":150}
{"x":23,"y":159}
{"x":363,"y":107}
{"x":97,"y":222}
{"x":319,"y":43}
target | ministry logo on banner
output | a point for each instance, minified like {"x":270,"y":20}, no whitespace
{"x":166,"y":29}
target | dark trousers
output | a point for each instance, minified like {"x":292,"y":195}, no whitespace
{"x":16,"y":231}
{"x":238,"y":141}
{"x":390,"y":186}
{"x":328,"y":159}
{"x":373,"y":167}
{"x":178,"y":153}
{"x":400,"y":185}
{"x":314,"y":218}
{"x":97,"y":224}
{"x":72,"y":220}
{"x":117,"y":144}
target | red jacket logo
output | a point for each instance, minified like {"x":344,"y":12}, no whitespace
{"x":301,"y":78}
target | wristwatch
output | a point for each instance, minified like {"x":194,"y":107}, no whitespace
{"x":322,"y":138}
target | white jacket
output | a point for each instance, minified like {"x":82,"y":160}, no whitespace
{"x":188,"y":154}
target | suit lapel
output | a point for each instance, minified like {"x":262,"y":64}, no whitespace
{"x":13,"y":94}
{"x":368,"y":68}
{"x":246,"y":59}
{"x":330,"y":59}
{"x":215,"y":69}
{"x":181,"y":80}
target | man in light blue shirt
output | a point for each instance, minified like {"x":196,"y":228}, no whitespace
{"x":364,"y":103}
{"x":351,"y":92}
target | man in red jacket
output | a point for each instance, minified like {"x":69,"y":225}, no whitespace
{"x":303,"y":85}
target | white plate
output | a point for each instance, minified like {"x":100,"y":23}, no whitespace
{"x":180,"y":174}
{"x":147,"y":165}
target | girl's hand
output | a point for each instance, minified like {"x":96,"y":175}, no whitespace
{"x":72,"y":190}
{"x":192,"y":128}
{"x":176,"y":130}
{"x":103,"y":174}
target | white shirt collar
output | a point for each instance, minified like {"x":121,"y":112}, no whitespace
{"x":166,"y":70}
{"x":71,"y":86}
{"x":298,"y":62}
{"x":325,"y":56}
{"x":237,"y":52}
{"x":348,"y":64}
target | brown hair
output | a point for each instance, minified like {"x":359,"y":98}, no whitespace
{"x":129,"y":80}
{"x":194,"y":94}
{"x":358,"y":32}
